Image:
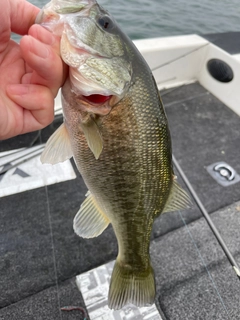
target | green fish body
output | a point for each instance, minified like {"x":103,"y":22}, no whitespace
{"x":116,"y":129}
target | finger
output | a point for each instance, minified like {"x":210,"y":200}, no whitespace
{"x":49,"y":69}
{"x":43,"y":35}
{"x":5,"y":28}
{"x":23,"y":15}
{"x":42,"y":59}
{"x":26,"y":79}
{"x":37,"y":103}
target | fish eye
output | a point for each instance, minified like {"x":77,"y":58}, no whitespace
{"x":106,"y":23}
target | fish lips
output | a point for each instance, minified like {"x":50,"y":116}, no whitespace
{"x":93,"y":97}
{"x":96,"y":103}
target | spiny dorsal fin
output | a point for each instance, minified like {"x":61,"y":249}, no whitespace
{"x":93,"y":137}
{"x":178,"y":199}
{"x":58,"y":147}
{"x":90,"y":221}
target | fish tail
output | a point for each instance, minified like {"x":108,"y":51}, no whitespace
{"x":131,"y":286}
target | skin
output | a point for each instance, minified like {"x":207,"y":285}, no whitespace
{"x":30,"y":72}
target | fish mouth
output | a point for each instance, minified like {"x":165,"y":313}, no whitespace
{"x":97,"y":104}
{"x":97,"y":99}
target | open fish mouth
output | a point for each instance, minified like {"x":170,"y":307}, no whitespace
{"x":98,"y":104}
{"x":97,"y":99}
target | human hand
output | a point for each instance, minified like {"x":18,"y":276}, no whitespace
{"x":30,"y":72}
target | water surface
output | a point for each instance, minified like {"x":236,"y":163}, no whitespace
{"x":157,"y":18}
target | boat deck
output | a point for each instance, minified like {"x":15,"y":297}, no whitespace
{"x":195,"y":279}
{"x":41,"y":255}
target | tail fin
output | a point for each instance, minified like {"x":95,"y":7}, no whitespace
{"x":131,"y":286}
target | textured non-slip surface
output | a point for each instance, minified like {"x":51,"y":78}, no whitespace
{"x":47,"y":304}
{"x":194,"y":278}
{"x":37,"y":242}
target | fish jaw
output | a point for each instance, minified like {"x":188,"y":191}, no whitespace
{"x":101,"y":76}
{"x":96,"y":57}
{"x":97,"y":103}
{"x":95,"y":71}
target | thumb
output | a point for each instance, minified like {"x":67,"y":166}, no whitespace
{"x":40,"y":50}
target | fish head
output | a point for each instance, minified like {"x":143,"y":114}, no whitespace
{"x":94,"y":48}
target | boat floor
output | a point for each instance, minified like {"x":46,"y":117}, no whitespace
{"x":41,"y":255}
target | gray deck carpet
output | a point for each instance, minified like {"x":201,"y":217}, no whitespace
{"x":194,"y":280}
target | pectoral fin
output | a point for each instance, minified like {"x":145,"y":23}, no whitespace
{"x":58,"y":147}
{"x":90,"y":221}
{"x":93,"y":137}
{"x":178,"y":199}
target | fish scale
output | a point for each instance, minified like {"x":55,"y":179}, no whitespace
{"x":121,"y":145}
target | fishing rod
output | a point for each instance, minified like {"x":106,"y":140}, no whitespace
{"x":207,"y":218}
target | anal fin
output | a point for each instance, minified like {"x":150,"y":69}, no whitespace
{"x":90,"y":221}
{"x":178,"y":199}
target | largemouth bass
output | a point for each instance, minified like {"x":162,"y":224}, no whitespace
{"x":116,"y":129}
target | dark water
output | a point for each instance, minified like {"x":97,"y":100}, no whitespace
{"x":157,"y":18}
